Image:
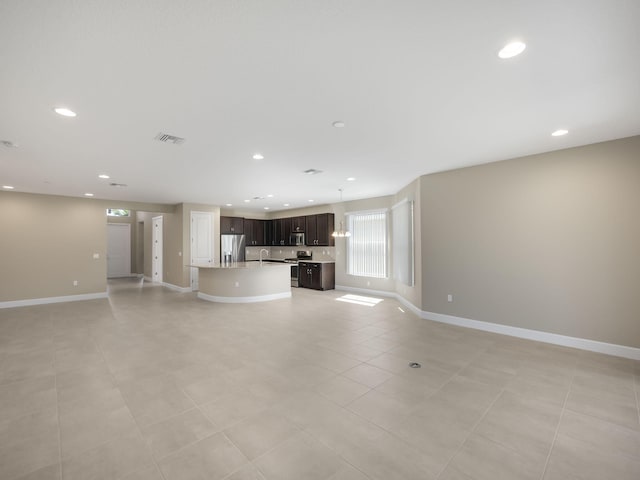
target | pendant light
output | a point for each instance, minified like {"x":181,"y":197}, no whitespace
{"x":341,"y":232}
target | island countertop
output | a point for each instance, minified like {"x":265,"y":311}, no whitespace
{"x":243,"y":282}
{"x":234,"y":265}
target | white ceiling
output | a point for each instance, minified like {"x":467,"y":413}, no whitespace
{"x":418,"y":84}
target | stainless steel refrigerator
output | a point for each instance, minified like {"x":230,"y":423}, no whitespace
{"x":232,"y":248}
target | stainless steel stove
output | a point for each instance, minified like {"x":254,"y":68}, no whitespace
{"x":301,"y":255}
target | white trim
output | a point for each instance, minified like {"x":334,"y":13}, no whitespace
{"x":537,"y":335}
{"x":46,"y":300}
{"x":176,"y":287}
{"x":402,"y":202}
{"x":528,"y":334}
{"x":258,"y":298}
{"x":147,"y":279}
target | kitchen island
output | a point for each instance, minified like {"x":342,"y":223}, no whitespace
{"x":244,"y":282}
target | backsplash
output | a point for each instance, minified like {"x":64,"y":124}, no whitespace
{"x":279,"y":253}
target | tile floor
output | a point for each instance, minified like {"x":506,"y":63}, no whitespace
{"x":157,"y":385}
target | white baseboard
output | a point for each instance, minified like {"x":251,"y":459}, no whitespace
{"x":258,"y":298}
{"x":46,"y":300}
{"x":536,"y":335}
{"x":147,"y":279}
{"x":176,"y":287}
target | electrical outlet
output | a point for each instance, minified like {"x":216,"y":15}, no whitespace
{"x":75,"y":283}
{"x":179,"y":254}
{"x":96,"y":256}
{"x":237,"y":284}
{"x":449,"y":298}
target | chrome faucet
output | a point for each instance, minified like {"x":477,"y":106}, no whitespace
{"x":263,"y":250}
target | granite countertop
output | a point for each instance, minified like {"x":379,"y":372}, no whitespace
{"x":238,"y":265}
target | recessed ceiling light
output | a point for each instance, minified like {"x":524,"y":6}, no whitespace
{"x":310,"y":200}
{"x":104,"y":175}
{"x":88,"y":194}
{"x":270,"y":195}
{"x":258,"y":156}
{"x":229,"y":204}
{"x":247,"y":201}
{"x":266,"y":208}
{"x":512,"y":49}
{"x":338,"y":124}
{"x":560,"y":132}
{"x":65,"y":112}
{"x":8,"y":187}
{"x":285,"y":204}
{"x":351,"y":179}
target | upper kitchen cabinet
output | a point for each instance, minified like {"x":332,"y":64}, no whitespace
{"x":281,"y":231}
{"x":298,"y":224}
{"x":319,"y":229}
{"x":231,"y":225}
{"x":255,"y":232}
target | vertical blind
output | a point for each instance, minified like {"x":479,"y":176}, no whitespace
{"x":367,"y":245}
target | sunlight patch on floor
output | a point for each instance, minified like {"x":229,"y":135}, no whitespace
{"x":359,"y":300}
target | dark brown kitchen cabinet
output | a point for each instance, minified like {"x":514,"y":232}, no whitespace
{"x":298,"y":224}
{"x":255,"y":232}
{"x":319,"y":229}
{"x":281,"y":231}
{"x":231,"y":225}
{"x":319,"y":276}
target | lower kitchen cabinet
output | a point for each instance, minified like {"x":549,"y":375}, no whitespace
{"x":319,"y":276}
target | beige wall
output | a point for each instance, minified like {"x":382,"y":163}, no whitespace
{"x":549,"y":242}
{"x":47,"y":242}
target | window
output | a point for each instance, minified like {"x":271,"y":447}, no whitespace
{"x":367,"y":245}
{"x":118,"y":212}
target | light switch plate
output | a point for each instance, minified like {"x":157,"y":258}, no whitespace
{"x":96,"y":256}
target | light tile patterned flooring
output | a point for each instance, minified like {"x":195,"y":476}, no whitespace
{"x":153,"y":384}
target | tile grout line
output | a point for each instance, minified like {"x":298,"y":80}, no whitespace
{"x":104,"y":359}
{"x":471,"y":431}
{"x":58,"y":411}
{"x":555,"y":436}
{"x":221,"y":431}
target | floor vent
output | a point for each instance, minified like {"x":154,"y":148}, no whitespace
{"x":166,"y":138}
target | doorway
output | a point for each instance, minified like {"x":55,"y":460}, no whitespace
{"x":201,"y":244}
{"x":118,"y":250}
{"x":156,"y":250}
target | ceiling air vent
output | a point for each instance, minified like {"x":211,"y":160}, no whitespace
{"x":166,"y":138}
{"x":117,"y":185}
{"x":312,"y":171}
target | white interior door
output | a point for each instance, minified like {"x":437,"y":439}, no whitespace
{"x":201,"y":243}
{"x":156,"y":250}
{"x":118,"y":250}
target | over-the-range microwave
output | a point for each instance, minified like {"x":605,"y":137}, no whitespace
{"x":296,"y":239}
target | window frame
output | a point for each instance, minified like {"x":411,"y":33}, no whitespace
{"x":350,"y":216}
